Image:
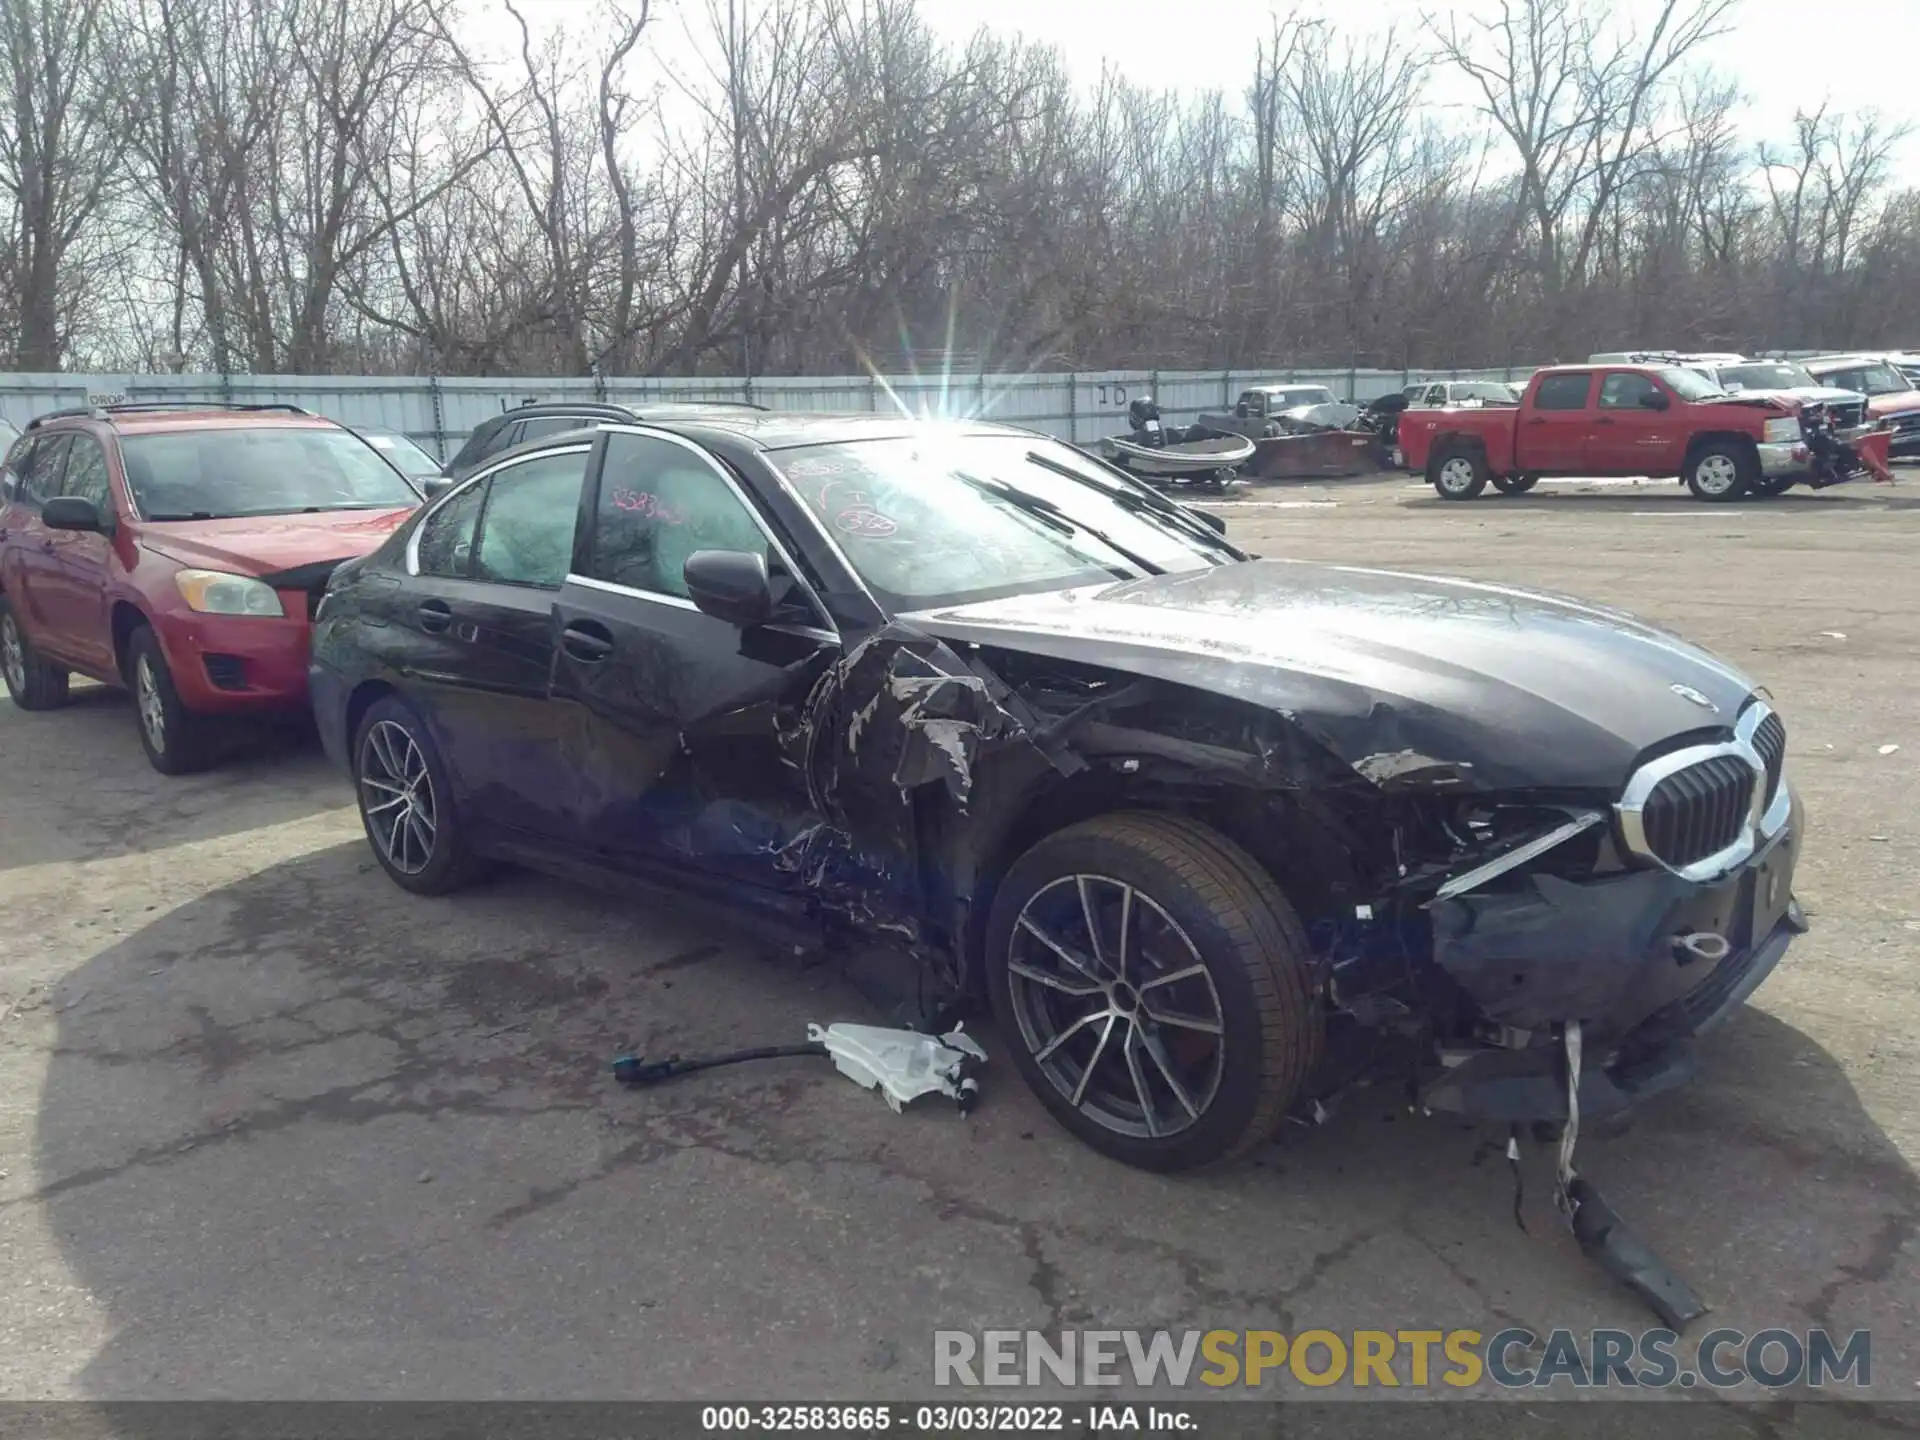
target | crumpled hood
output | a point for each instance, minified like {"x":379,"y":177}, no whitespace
{"x":1397,"y":674}
{"x":264,"y":544}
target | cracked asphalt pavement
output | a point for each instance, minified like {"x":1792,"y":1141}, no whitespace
{"x":270,"y":1127}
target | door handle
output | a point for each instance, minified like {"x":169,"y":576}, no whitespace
{"x":435,"y":616}
{"x":586,"y":642}
{"x":1537,"y":420}
{"x":1604,"y":420}
{"x":46,"y":547}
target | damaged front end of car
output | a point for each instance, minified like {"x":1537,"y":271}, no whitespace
{"x":1647,"y":916}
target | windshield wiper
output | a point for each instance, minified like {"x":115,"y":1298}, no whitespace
{"x":1155,"y":507}
{"x":190,"y":515}
{"x":1051,"y":515}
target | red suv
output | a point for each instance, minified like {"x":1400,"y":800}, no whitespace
{"x":178,"y":553}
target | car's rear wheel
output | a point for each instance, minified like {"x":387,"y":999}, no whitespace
{"x":406,"y":802}
{"x":1515,"y":484}
{"x":34,"y":684}
{"x":1459,"y":474}
{"x":1153,"y":983}
{"x":177,"y":740}
{"x":1718,"y":472}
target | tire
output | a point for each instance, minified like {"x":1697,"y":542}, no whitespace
{"x":1719,"y":472}
{"x":34,"y":684}
{"x":1151,"y":1092}
{"x":406,"y":802}
{"x":1515,"y":484}
{"x":1767,"y":486}
{"x":177,"y":740}
{"x":1458,"y":474}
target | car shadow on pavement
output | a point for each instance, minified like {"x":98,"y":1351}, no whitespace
{"x":82,"y":789}
{"x":310,"y":1137}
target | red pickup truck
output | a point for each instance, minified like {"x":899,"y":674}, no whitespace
{"x":1655,"y":420}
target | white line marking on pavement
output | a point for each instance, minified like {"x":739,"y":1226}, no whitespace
{"x":1271,"y":504}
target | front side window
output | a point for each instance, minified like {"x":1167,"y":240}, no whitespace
{"x":229,"y":471}
{"x":86,"y":477}
{"x":38,"y":471}
{"x":446,"y":535}
{"x":948,"y":518}
{"x":1563,"y":392}
{"x":1625,"y":390}
{"x":659,"y":502}
{"x":527,"y":523}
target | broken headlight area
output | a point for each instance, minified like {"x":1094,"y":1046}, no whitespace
{"x":1500,"y":921}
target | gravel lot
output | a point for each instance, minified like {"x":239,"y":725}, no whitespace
{"x":270,"y":1127}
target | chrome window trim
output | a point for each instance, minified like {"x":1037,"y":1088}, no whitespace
{"x":1764,"y":817}
{"x":746,"y":500}
{"x":484,"y":473}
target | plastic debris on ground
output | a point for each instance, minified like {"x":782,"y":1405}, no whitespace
{"x":904,"y":1064}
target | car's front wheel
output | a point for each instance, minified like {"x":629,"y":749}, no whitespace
{"x":177,"y":740}
{"x":33,"y":683}
{"x":1718,"y":472}
{"x":406,"y":802}
{"x":1153,"y":983}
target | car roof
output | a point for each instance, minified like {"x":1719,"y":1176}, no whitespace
{"x":606,"y":409}
{"x":137,"y":419}
{"x":1858,"y":357}
{"x":772,"y":430}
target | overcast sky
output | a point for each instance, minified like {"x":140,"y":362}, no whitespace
{"x":1775,"y":49}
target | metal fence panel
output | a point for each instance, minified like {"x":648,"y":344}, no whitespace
{"x":440,"y":411}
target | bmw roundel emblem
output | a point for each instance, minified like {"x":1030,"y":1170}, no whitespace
{"x":1687,"y":692}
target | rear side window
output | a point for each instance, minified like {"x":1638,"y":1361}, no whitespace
{"x":551,"y":425}
{"x":1563,"y":392}
{"x":527,"y":525}
{"x":86,"y":476}
{"x":658,"y":503}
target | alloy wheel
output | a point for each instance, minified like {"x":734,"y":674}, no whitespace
{"x":396,"y":796}
{"x":1456,"y":475}
{"x":153,"y":709}
{"x":13,"y":654}
{"x":1116,"y":1006}
{"x":1717,"y":474}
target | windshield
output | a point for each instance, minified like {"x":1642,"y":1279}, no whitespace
{"x":1772,"y":376}
{"x":1301,"y":395}
{"x":946,"y":519}
{"x":1881,"y":379}
{"x":1689,"y":384}
{"x":215,"y":474}
{"x":1483,"y":390}
{"x":411,"y":459}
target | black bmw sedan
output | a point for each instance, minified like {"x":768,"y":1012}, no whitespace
{"x":1202,"y":827}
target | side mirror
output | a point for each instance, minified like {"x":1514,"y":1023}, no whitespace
{"x":1654,"y":400}
{"x":730,"y":585}
{"x":70,"y":512}
{"x":432,"y":485}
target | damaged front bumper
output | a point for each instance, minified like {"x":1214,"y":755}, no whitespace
{"x":1607,"y":952}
